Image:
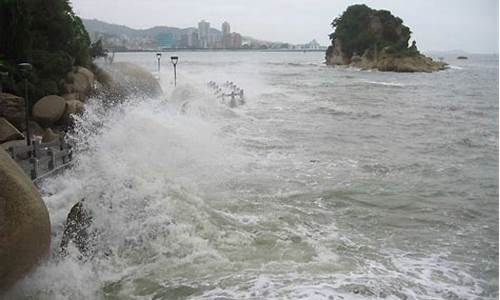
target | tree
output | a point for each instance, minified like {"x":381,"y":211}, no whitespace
{"x":361,"y":28}
{"x":45,"y":33}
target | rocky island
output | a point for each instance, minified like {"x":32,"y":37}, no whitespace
{"x":375,"y":39}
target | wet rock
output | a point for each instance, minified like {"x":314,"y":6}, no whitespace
{"x":78,"y":232}
{"x":8,"y":132}
{"x":36,"y":130}
{"x":71,"y":96}
{"x":87,"y":73}
{"x":80,"y":82}
{"x":49,"y":136}
{"x":73,"y":107}
{"x":12,"y":109}
{"x":130,"y":79}
{"x":49,"y":110}
{"x":24,"y":223}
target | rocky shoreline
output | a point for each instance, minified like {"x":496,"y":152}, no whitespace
{"x":387,"y":62}
{"x":24,"y":220}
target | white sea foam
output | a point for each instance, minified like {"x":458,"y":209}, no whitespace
{"x":396,"y":84}
{"x":194,"y":200}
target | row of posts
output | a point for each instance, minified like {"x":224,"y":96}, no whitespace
{"x":52,"y":164}
{"x":173,"y":60}
{"x":37,"y":151}
{"x":236,"y":93}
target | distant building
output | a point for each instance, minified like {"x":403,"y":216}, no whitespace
{"x":203,"y":31}
{"x":236,"y":40}
{"x":226,"y":29}
{"x":165,"y":40}
{"x":195,"y":40}
{"x":313,"y":45}
{"x":184,"y":41}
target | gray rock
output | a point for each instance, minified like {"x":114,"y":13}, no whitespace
{"x":8,"y":132}
{"x":24,"y":223}
{"x":48,"y":110}
{"x":49,"y":136}
{"x":71,"y":96}
{"x":12,"y":109}
{"x":77,"y":230}
{"x":80,"y":81}
{"x":130,"y":79}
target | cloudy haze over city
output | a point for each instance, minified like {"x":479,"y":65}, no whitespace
{"x":438,"y":25}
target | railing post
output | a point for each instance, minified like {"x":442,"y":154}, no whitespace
{"x":34,"y":169}
{"x":52,"y":161}
{"x":61,"y":142}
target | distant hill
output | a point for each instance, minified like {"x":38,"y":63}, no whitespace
{"x":94,"y":25}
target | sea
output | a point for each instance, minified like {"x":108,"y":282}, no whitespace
{"x":323,"y":183}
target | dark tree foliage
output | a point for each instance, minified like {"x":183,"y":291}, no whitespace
{"x":97,"y":50}
{"x":360,"y":28}
{"x":45,"y":33}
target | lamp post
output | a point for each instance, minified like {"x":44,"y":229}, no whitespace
{"x":3,"y":74}
{"x":25,"y":70}
{"x":174,"y":60}
{"x":158,"y":57}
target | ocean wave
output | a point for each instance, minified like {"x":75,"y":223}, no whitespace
{"x":384,"y":83}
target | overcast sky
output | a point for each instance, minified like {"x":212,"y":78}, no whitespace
{"x":470,"y":25}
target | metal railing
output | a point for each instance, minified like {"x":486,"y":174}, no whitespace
{"x":228,"y":90}
{"x":40,"y":160}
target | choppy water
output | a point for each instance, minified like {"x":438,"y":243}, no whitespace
{"x":330,"y":183}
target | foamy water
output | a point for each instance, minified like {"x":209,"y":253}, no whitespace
{"x":329,"y":183}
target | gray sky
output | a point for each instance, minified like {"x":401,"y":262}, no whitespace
{"x":470,"y":25}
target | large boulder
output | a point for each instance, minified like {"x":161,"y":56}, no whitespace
{"x":79,"y":81}
{"x":8,"y":132}
{"x":87,"y":73}
{"x":48,"y":110}
{"x":129,"y":79}
{"x":12,"y":109}
{"x":24,"y":223}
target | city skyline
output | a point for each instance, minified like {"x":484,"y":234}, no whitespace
{"x":199,"y":36}
{"x":471,"y":26}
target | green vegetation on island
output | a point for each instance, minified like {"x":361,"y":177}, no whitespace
{"x":375,"y":39}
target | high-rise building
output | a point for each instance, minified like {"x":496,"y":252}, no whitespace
{"x":184,"y":41}
{"x":203,"y":31}
{"x":236,"y":40}
{"x":226,"y":29}
{"x":195,"y":40}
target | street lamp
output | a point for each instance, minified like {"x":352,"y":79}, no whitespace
{"x":174,"y":60}
{"x":158,"y":57}
{"x":25,"y":70}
